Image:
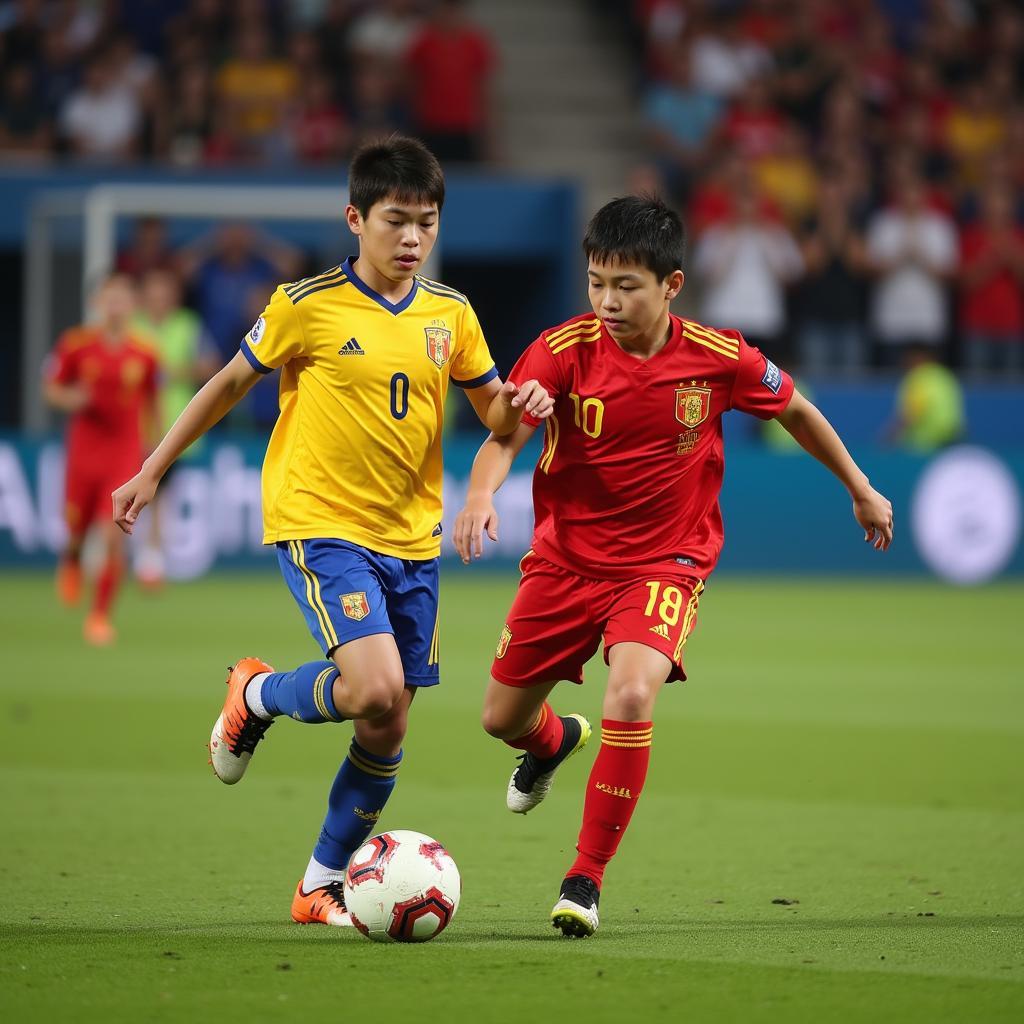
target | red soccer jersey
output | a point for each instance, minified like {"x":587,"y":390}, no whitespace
{"x":450,"y":71}
{"x":993,"y":306}
{"x":633,"y":458}
{"x":120,"y":380}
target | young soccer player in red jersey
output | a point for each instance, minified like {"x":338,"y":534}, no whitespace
{"x":628,"y":526}
{"x":105,"y":378}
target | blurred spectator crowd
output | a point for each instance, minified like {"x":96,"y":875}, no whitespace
{"x":852,"y":174}
{"x":212,"y":82}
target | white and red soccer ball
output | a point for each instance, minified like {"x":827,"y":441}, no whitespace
{"x":402,"y":886}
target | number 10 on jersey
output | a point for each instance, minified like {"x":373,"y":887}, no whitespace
{"x":588,"y":414}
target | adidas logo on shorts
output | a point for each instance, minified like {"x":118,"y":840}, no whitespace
{"x":661,"y":629}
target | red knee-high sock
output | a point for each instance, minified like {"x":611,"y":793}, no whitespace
{"x":106,"y":586}
{"x":612,"y":792}
{"x":544,"y":738}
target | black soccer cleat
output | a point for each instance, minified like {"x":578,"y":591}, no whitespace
{"x":532,"y":778}
{"x":575,"y":913}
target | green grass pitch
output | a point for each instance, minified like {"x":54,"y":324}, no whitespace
{"x":854,"y":748}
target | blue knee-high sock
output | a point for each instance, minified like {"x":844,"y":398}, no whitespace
{"x":360,"y":791}
{"x":305,"y":694}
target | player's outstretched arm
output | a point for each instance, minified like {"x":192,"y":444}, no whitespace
{"x":211,"y":404}
{"x":817,"y":436}
{"x":69,"y":398}
{"x":490,"y":467}
{"x":501,"y":406}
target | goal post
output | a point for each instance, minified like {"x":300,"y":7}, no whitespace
{"x":95,"y":213}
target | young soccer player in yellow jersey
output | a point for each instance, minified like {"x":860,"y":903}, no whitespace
{"x":352,"y":489}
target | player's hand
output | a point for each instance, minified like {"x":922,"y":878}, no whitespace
{"x":477,"y":517}
{"x":76,"y":399}
{"x":531,"y":397}
{"x":131,"y":498}
{"x":874,"y":512}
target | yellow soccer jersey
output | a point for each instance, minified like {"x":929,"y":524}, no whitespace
{"x":356,"y":451}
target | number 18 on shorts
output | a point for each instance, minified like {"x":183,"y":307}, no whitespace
{"x":558,"y":620}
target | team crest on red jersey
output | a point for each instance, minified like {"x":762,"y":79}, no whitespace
{"x":439,"y":344}
{"x":355,"y":606}
{"x":132,"y":372}
{"x":503,"y":641}
{"x":693,"y":405}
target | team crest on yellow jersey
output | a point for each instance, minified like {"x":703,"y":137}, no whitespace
{"x":503,"y":641}
{"x":693,"y":405}
{"x":439,"y":344}
{"x":355,"y":606}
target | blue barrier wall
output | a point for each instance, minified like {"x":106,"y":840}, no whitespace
{"x":500,"y":220}
{"x":487,"y":217}
{"x":958,"y":514}
{"x":860,"y":411}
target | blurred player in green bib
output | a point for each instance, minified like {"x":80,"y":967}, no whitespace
{"x":352,"y":490}
{"x":187,"y":361}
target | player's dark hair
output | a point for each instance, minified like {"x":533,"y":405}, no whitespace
{"x":637,"y":229}
{"x":98,"y":282}
{"x":398,"y":167}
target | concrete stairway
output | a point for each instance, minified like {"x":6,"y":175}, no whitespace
{"x":563,"y":95}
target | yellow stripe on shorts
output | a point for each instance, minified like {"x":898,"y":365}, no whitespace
{"x":313,"y":593}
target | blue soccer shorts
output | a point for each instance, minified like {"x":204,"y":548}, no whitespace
{"x":346,"y":592}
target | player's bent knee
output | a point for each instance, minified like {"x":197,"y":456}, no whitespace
{"x":375,"y":697}
{"x":493,"y":724}
{"x":371,"y":705}
{"x":500,"y":724}
{"x":631,"y":700}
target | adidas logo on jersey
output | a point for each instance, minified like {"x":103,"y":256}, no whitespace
{"x":351,"y":348}
{"x":661,"y":629}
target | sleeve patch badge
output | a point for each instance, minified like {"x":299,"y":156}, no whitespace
{"x":772,"y":378}
{"x":256,"y":331}
{"x":503,"y":641}
{"x":355,"y":606}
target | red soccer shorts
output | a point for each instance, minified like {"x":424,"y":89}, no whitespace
{"x":557,"y":621}
{"x":87,"y":489}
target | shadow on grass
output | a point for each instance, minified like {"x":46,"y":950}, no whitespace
{"x":273,"y":933}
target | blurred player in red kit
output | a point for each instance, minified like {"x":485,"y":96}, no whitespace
{"x":627,"y":522}
{"x":105,"y":379}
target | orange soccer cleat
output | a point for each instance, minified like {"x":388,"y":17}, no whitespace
{"x":323,"y":905}
{"x":98,"y":630}
{"x":237,"y":731}
{"x":69,"y":582}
